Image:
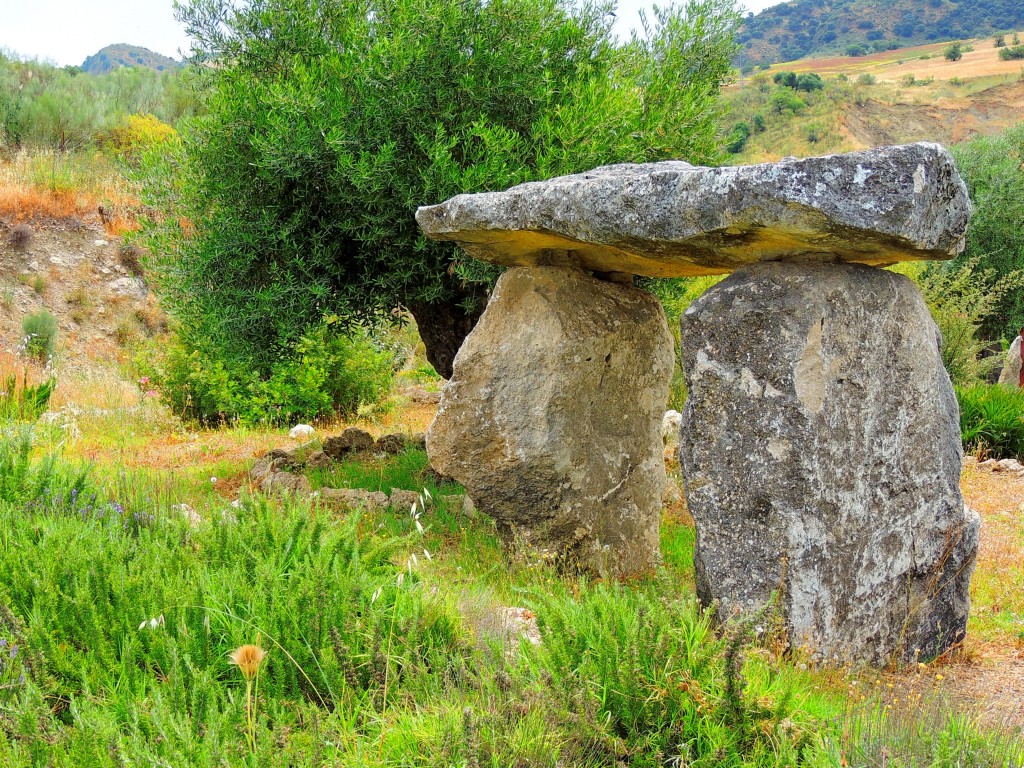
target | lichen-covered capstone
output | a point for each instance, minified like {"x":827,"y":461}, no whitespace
{"x":672,"y":219}
{"x":552,"y":418}
{"x":821,"y":451}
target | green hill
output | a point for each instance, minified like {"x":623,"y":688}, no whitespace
{"x":123,"y":55}
{"x":802,"y":28}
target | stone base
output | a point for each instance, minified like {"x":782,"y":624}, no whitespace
{"x":552,"y":418}
{"x":821,"y":450}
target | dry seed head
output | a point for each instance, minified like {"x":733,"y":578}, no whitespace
{"x":248,"y":659}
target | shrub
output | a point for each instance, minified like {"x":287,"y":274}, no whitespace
{"x":809,"y":81}
{"x":865,"y":79}
{"x":787,"y":79}
{"x":956,"y":82}
{"x":327,"y":373}
{"x":757,"y":123}
{"x":134,"y":135}
{"x":992,"y":418}
{"x":1009,"y":54}
{"x":738,"y":138}
{"x":24,"y":401}
{"x":960,"y":297}
{"x":993,"y":167}
{"x":785,"y":101}
{"x":953,"y":52}
{"x":40,"y":329}
{"x":20,"y":236}
{"x":999,"y":41}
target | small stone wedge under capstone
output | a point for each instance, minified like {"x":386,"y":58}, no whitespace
{"x":673,"y":219}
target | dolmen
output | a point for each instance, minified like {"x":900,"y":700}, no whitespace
{"x":820,"y":442}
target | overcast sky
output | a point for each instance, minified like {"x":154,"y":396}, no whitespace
{"x":66,"y":31}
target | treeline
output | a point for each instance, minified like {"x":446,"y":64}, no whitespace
{"x":64,"y":108}
{"x":803,"y":28}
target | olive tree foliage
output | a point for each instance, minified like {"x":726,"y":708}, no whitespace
{"x":993,"y":167}
{"x":330,"y":121}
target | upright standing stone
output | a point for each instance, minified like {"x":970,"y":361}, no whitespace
{"x":552,"y":417}
{"x":1011,"y":373}
{"x":821,"y":448}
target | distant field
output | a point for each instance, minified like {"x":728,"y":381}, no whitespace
{"x":890,"y":66}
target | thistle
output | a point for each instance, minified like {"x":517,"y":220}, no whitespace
{"x":248,"y":659}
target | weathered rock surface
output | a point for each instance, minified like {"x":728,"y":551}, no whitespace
{"x":672,"y":219}
{"x":351,"y":439}
{"x":552,"y":418}
{"x":1011,"y":368}
{"x":275,"y":460}
{"x":285,"y":483}
{"x":391,"y":444}
{"x":350,"y":499}
{"x":403,"y":500}
{"x":821,"y":450}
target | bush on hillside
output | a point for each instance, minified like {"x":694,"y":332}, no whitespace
{"x":992,"y":419}
{"x":40,"y":329}
{"x":1009,"y":54}
{"x":738,"y":138}
{"x":953,"y":52}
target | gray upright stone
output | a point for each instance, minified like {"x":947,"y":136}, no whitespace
{"x":672,"y":219}
{"x":552,"y":418}
{"x":821,"y":450}
{"x":1010,"y":374}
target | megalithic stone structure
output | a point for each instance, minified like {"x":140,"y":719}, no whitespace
{"x":820,"y":441}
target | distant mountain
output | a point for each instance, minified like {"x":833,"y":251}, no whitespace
{"x":123,"y":55}
{"x":801,"y":28}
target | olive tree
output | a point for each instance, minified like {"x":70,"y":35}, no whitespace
{"x":329,"y":122}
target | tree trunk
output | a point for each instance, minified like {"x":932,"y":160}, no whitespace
{"x":443,"y":326}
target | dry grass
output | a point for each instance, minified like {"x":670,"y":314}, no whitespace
{"x":48,"y":185}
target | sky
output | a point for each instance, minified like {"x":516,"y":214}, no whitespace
{"x":66,"y":31}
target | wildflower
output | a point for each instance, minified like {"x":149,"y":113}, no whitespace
{"x":248,"y":659}
{"x":939,"y":678}
{"x":213,"y":480}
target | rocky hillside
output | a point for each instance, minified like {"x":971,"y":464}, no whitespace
{"x":801,"y":28}
{"x":123,"y":55}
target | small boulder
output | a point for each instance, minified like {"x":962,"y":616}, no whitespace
{"x":351,"y":440}
{"x":403,"y":500}
{"x":285,"y":483}
{"x":276,"y":460}
{"x":318,"y":460}
{"x":423,"y":396}
{"x":1011,"y":368}
{"x":1008,"y":465}
{"x":671,"y":426}
{"x":350,"y":499}
{"x":391,"y":444}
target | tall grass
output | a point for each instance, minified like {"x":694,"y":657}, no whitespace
{"x":992,"y":419}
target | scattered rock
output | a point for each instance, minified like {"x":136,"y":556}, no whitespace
{"x":403,"y":500}
{"x":285,"y":483}
{"x":423,"y":396}
{"x":350,"y":499}
{"x":672,"y":219}
{"x":671,"y":425}
{"x":273,"y":461}
{"x":193,"y":517}
{"x":1008,"y":465}
{"x":532,"y":424}
{"x":318,"y":460}
{"x":391,"y":444}
{"x":418,"y":440}
{"x":469,"y":508}
{"x":351,"y":440}
{"x":989,"y":464}
{"x":301,"y":432}
{"x":520,"y":623}
{"x":821,"y":451}
{"x":1011,"y":368}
